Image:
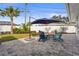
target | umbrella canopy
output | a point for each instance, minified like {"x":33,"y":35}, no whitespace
{"x":44,"y":21}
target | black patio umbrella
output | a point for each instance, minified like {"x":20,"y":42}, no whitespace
{"x":44,"y":21}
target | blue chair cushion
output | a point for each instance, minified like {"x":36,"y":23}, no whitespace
{"x":42,"y":36}
{"x":57,"y":37}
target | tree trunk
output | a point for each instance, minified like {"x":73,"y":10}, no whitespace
{"x":11,"y":25}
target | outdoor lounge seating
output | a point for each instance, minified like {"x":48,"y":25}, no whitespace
{"x":42,"y":36}
{"x":57,"y":36}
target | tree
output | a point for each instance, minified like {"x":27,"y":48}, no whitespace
{"x":0,"y":10}
{"x":10,"y":12}
{"x":65,"y":19}
{"x":54,"y":17}
{"x":24,"y":27}
{"x":57,"y":17}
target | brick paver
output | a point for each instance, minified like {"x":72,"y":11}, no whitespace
{"x":69,"y":47}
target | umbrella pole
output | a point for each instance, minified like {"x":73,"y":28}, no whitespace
{"x":29,"y":28}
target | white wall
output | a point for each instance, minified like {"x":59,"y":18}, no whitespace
{"x":70,"y":29}
{"x":0,"y":28}
{"x":6,"y":28}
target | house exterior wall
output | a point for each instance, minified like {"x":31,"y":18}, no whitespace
{"x":6,"y":28}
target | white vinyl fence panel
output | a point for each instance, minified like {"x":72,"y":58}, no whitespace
{"x":70,"y":29}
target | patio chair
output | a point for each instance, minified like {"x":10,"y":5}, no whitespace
{"x":57,"y":37}
{"x":42,"y":37}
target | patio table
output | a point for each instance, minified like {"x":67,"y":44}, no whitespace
{"x":48,"y":35}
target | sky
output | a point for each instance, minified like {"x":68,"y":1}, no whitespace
{"x":35,"y":10}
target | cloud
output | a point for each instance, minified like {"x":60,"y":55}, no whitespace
{"x":62,"y":14}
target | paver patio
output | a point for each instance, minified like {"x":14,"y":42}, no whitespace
{"x":69,"y":47}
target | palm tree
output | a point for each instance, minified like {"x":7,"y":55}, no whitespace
{"x":57,"y":17}
{"x":0,"y":11}
{"x":10,"y":12}
{"x":25,"y":27}
{"x":54,"y":17}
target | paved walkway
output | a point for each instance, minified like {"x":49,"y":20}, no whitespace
{"x":21,"y":47}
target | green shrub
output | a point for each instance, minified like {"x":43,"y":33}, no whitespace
{"x":7,"y":38}
{"x":16,"y":30}
{"x":19,"y":30}
{"x":22,"y":29}
{"x":33,"y":33}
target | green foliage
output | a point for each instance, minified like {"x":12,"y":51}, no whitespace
{"x":63,"y":29}
{"x":0,"y":9}
{"x":10,"y":11}
{"x":23,"y":29}
{"x":64,"y":19}
{"x":10,"y":37}
{"x":56,"y":31}
{"x":33,"y":33}
{"x":16,"y":30}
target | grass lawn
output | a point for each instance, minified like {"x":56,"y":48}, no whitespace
{"x":16,"y":35}
{"x":9,"y":37}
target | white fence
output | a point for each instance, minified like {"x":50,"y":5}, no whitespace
{"x":68,"y":29}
